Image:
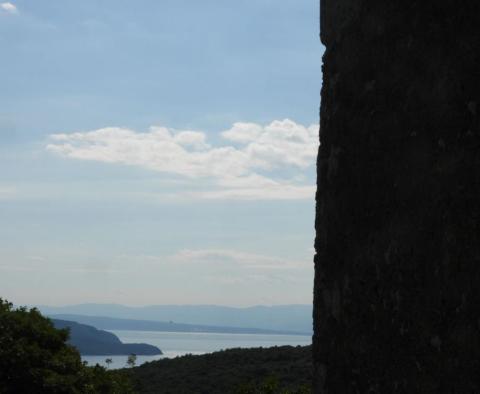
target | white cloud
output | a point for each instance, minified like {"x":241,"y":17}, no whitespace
{"x":7,"y":192}
{"x":243,"y":132}
{"x":193,"y":139}
{"x":235,"y":167}
{"x":256,"y":187}
{"x":211,"y":259}
{"x":244,"y":259}
{"x":9,"y":7}
{"x":243,"y":280}
{"x":38,"y":259}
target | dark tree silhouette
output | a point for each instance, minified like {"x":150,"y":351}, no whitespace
{"x":35,"y":358}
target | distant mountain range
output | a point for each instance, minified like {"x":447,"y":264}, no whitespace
{"x":296,"y":318}
{"x":92,"y":342}
{"x":109,"y":323}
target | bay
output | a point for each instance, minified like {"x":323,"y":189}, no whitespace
{"x":174,"y":344}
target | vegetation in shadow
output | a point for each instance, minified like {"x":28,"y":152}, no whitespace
{"x":35,"y":358}
{"x":276,"y":370}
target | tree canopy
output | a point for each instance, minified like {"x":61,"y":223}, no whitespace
{"x":35,"y":358}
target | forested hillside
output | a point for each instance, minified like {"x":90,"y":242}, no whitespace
{"x":237,"y":371}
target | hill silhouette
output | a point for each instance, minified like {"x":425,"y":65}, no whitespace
{"x":296,"y":318}
{"x":109,"y":323}
{"x":93,"y":342}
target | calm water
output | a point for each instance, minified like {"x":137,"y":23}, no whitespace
{"x":175,"y":344}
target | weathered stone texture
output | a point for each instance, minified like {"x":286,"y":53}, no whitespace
{"x":397,"y":269}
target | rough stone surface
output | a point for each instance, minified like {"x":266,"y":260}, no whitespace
{"x":397,"y":269}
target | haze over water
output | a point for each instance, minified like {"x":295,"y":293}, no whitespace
{"x":175,"y":344}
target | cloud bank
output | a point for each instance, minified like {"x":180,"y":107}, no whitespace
{"x":240,"y":258}
{"x":253,"y":162}
{"x":9,"y":7}
{"x":7,"y":192}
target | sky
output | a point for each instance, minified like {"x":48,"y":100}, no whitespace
{"x":158,"y":152}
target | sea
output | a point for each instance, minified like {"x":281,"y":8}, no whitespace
{"x":175,"y":344}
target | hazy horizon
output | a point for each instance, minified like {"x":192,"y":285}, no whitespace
{"x":152,"y":305}
{"x":158,"y":153}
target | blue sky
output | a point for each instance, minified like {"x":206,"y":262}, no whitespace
{"x":158,"y":152}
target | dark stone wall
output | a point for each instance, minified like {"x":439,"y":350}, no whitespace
{"x":397,"y":269}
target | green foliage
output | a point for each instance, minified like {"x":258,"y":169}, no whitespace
{"x":277,"y":370}
{"x":132,"y":360}
{"x":108,"y":361}
{"x":35,"y":359}
{"x":270,"y":385}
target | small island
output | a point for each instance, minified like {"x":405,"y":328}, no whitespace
{"x":90,"y":341}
